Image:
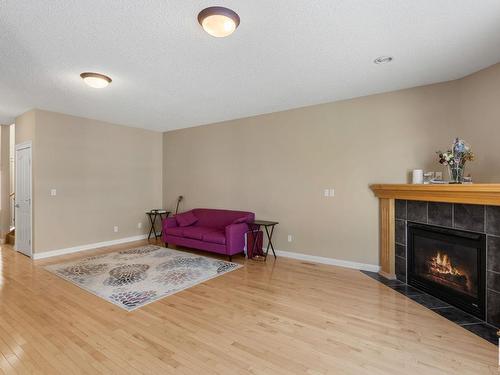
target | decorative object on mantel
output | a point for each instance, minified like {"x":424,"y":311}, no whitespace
{"x":418,"y":176}
{"x":428,"y":177}
{"x":455,"y":159}
{"x":421,"y":177}
{"x":468,"y":179}
{"x":438,"y":178}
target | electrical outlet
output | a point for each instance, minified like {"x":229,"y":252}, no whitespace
{"x":332,"y":192}
{"x":290,"y":238}
{"x":53,"y":192}
{"x":139,"y":225}
{"x":326,"y":193}
{"x":115,"y":228}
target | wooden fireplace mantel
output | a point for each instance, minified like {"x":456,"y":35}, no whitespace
{"x":487,"y":194}
{"x":466,"y":193}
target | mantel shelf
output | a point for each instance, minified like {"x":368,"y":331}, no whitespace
{"x":488,"y":194}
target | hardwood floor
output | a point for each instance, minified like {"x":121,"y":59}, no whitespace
{"x":283,"y":317}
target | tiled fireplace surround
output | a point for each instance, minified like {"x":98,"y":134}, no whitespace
{"x":476,"y":218}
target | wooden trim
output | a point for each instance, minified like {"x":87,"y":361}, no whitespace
{"x":387,"y":241}
{"x":387,"y":276}
{"x":330,"y":261}
{"x":488,"y":194}
{"x":92,"y":246}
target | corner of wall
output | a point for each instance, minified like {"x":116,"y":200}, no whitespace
{"x":163,"y":170}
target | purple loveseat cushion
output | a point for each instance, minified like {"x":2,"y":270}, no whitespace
{"x":186,"y":219}
{"x":196,"y":233}
{"x":215,"y":237}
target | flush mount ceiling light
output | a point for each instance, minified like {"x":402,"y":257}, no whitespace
{"x":95,"y":80}
{"x":218,"y":21}
{"x":383,"y":60}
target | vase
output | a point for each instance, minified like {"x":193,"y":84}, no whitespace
{"x":456,"y":172}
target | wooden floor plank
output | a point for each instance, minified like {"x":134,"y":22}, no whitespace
{"x":279,"y":317}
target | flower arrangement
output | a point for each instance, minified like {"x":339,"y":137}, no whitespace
{"x":456,"y":158}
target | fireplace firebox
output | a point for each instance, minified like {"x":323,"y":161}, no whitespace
{"x":449,"y":264}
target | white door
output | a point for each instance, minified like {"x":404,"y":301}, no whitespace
{"x":23,"y":198}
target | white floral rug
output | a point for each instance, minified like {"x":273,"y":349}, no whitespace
{"x":135,"y":277}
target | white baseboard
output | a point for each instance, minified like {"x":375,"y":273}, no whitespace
{"x":91,"y":246}
{"x":286,"y":254}
{"x":330,"y":261}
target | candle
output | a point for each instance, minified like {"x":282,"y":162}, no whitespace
{"x":418,"y":176}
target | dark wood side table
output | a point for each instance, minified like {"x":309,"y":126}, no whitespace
{"x":255,"y":228}
{"x":153,"y":214}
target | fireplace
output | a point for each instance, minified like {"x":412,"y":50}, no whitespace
{"x":448,"y":263}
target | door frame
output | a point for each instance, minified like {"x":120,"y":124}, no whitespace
{"x":21,"y":146}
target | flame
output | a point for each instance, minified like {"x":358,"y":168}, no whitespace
{"x":441,"y":267}
{"x":441,"y":264}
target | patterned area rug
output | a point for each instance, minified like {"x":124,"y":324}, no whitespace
{"x":135,"y":277}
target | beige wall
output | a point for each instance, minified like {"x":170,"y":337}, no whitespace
{"x":4,"y":181}
{"x":278,"y":165}
{"x":25,"y":127}
{"x":479,"y":108}
{"x":105,"y":175}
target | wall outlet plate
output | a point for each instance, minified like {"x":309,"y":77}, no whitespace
{"x":115,"y":229}
{"x":332,"y":192}
{"x":326,"y":193}
{"x":290,"y":238}
{"x":139,"y":225}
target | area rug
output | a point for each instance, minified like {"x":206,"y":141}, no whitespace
{"x":135,"y":277}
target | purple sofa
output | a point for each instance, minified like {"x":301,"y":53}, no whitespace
{"x":217,"y":231}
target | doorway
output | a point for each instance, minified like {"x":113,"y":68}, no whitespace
{"x":23,"y":199}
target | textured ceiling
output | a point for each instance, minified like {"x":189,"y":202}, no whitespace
{"x":168,"y":73}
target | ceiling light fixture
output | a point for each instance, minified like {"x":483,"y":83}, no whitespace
{"x":218,"y":21}
{"x":95,"y":80}
{"x":383,"y":60}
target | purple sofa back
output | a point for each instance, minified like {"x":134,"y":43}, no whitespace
{"x":213,"y":218}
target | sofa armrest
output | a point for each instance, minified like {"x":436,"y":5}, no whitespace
{"x":235,"y":237}
{"x":169,"y":222}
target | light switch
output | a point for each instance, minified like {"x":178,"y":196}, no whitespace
{"x":53,"y":192}
{"x":327,"y":192}
{"x":332,"y":192}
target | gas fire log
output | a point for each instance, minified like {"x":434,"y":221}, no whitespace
{"x":455,"y":279}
